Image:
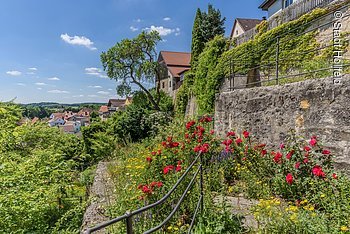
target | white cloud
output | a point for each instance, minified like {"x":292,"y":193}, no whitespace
{"x":31,"y":73}
{"x":110,"y":89}
{"x":39,"y":88}
{"x":134,"y":29}
{"x":81,"y":95}
{"x":92,"y":95}
{"x":162,"y":30}
{"x":54,"y":78}
{"x":21,"y":84}
{"x":40,"y":84}
{"x":14,"y":73}
{"x":94,"y":71}
{"x":57,"y":91}
{"x":177,"y":31}
{"x":103,"y":92}
{"x":166,"y":18}
{"x":78,"y":40}
{"x":33,"y":68}
{"x":95,"y":86}
{"x":138,"y":20}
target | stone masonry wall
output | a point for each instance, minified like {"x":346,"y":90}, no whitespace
{"x":312,"y":107}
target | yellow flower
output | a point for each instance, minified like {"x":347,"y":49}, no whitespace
{"x":344,"y":228}
{"x":293,"y":217}
{"x":170,"y":227}
{"x":313,"y":214}
{"x":230,"y":189}
{"x":323,"y":195}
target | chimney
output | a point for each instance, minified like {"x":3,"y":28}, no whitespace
{"x":264,"y":18}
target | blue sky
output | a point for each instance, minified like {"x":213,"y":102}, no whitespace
{"x":50,"y":49}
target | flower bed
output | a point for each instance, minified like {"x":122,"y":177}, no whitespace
{"x":297,"y":185}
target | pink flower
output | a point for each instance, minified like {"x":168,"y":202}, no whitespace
{"x":289,"y":178}
{"x":297,"y":165}
{"x":313,"y":141}
{"x":326,"y":152}
{"x":231,"y":134}
{"x":238,"y":141}
{"x":281,"y":146}
{"x":317,"y":171}
{"x":190,"y":124}
{"x":263,"y":152}
{"x":204,"y":148}
{"x":212,"y":132}
{"x":227,"y":142}
{"x":306,"y":160}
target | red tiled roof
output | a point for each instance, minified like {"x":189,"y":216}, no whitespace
{"x":176,"y":62}
{"x":58,"y":115}
{"x":67,"y":128}
{"x":34,"y":120}
{"x":175,"y":58}
{"x":103,"y":109}
{"x":116,"y":103}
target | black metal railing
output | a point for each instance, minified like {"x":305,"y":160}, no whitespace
{"x":128,"y":216}
{"x":242,"y":71}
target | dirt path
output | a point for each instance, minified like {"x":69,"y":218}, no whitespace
{"x":101,"y":195}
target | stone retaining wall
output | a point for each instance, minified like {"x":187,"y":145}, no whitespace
{"x":312,"y":107}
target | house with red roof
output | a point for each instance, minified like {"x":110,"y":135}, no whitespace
{"x":176,"y":64}
{"x":241,"y":26}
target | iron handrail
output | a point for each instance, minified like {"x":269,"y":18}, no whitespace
{"x":129,"y":214}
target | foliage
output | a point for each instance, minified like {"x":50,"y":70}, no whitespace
{"x":38,"y":174}
{"x":197,"y":45}
{"x":165,"y":104}
{"x":206,"y":26}
{"x":184,"y":94}
{"x":261,"y":51}
{"x":133,"y":61}
{"x":206,"y":82}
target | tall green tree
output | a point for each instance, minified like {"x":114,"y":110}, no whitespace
{"x":212,"y":24}
{"x":133,"y":61}
{"x":206,"y":26}
{"x":197,"y":39}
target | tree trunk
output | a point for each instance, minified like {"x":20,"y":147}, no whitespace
{"x":149,"y":95}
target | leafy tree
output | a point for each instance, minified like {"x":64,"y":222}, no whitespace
{"x":140,"y":99}
{"x":205,"y":27}
{"x":197,"y":39}
{"x":133,"y":61}
{"x":212,"y":24}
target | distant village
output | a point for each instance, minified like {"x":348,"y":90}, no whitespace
{"x":71,"y":122}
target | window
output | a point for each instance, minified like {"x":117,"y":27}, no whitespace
{"x":169,"y":83}
{"x":287,"y":3}
{"x":236,"y":32}
{"x":163,"y":84}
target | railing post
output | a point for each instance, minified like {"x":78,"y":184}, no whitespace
{"x":129,"y":223}
{"x":277,"y":58}
{"x":201,"y":182}
{"x":230,"y":74}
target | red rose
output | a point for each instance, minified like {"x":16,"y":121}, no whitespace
{"x":153,"y":184}
{"x":263,"y":152}
{"x":313,"y":141}
{"x":167,"y":169}
{"x":159,"y":184}
{"x":139,"y":186}
{"x":186,"y":136}
{"x":204,"y":148}
{"x":289,"y":155}
{"x":178,"y":168}
{"x":281,"y":146}
{"x":326,"y":152}
{"x":297,"y":165}
{"x":153,"y":153}
{"x":289,"y":178}
{"x":149,"y":159}
{"x":317,"y":171}
{"x":146,"y":189}
{"x":246,"y":134}
{"x":175,"y":144}
{"x":244,"y":158}
{"x":307,"y":148}
{"x":212,"y":132}
{"x":163,"y":143}
{"x":190,"y":124}
{"x":238,"y":141}
{"x":335,"y":176}
{"x":231,"y":134}
{"x":197,"y":148}
{"x":306,"y":160}
{"x":277,"y":158}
